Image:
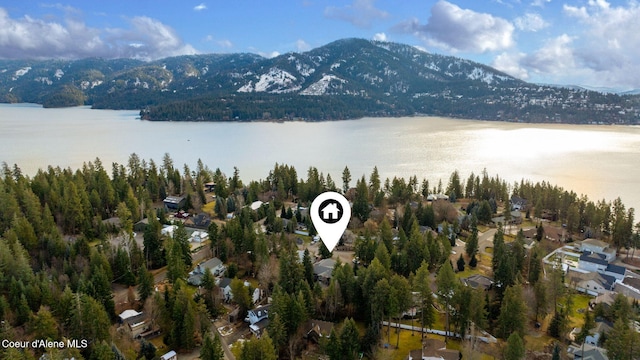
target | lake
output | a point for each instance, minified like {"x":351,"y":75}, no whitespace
{"x":599,"y":161}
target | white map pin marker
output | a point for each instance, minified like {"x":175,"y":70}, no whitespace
{"x":330,"y":213}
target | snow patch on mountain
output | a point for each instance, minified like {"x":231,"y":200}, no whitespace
{"x":90,"y":84}
{"x":304,"y":69}
{"x":44,"y":80}
{"x":275,"y":81}
{"x":21,"y":72}
{"x":59,"y":73}
{"x":321,"y":86}
{"x":484,"y":76}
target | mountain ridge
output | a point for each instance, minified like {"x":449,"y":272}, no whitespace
{"x":346,"y":78}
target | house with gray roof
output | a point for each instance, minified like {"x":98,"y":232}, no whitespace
{"x":322,"y":270}
{"x":214,"y":265}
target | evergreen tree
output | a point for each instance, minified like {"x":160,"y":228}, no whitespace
{"x":556,"y":353}
{"x":460,"y":263}
{"x":346,"y":179}
{"x":513,"y":312}
{"x":211,"y":348}
{"x":471,"y":247}
{"x":308,"y":267}
{"x":145,"y":284}
{"x":447,"y":287}
{"x":349,"y":340}
{"x":332,"y":349}
{"x":259,"y":349}
{"x":622,"y":342}
{"x":240,"y":294}
{"x":422,"y":285}
{"x":361,"y":208}
{"x":515,"y":348}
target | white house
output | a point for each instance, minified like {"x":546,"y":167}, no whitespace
{"x":171,"y":355}
{"x":258,"y":314}
{"x":598,"y":247}
{"x":259,"y":319}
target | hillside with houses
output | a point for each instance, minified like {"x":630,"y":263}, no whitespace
{"x":154,"y":261}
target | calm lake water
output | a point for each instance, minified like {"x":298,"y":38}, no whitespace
{"x":599,"y":161}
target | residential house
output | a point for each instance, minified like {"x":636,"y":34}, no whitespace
{"x":141,"y":225}
{"x":258,"y":319}
{"x":588,"y":352}
{"x":598,"y":247}
{"x":606,"y":299}
{"x":134,"y":323}
{"x":198,"y":237}
{"x":591,"y":261}
{"x":256,"y":205}
{"x":322,"y":270}
{"x":478,"y":281}
{"x":629,"y":287}
{"x":225,"y":287}
{"x":171,"y":355}
{"x":167,"y":230}
{"x":592,"y":283}
{"x":214,"y":265}
{"x":200,"y":221}
{"x":210,"y":186}
{"x":434,"y":349}
{"x":516,"y":218}
{"x":518,"y":203}
{"x":258,"y":314}
{"x":602,"y":328}
{"x":174,"y":203}
{"x":317,"y":329}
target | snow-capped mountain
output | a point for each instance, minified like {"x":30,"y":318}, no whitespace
{"x":345,"y":78}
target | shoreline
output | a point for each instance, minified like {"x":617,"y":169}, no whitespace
{"x":300,"y":120}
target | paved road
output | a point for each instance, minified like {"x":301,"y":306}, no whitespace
{"x":486,"y":239}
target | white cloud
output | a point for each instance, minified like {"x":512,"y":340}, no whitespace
{"x":302,"y":45}
{"x":608,"y":44}
{"x":200,"y":7}
{"x":380,"y":37}
{"x":576,"y":12}
{"x":453,"y":28}
{"x":555,"y":57}
{"x":510,"y":64}
{"x":225,"y":43}
{"x":539,"y":3}
{"x":360,"y":13}
{"x":269,"y":55}
{"x":530,"y":22}
{"x":146,"y":38}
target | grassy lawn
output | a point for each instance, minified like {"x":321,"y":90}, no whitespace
{"x":580,"y":301}
{"x":468,"y":271}
{"x":409,"y":342}
{"x":537,"y":343}
{"x":209,"y":208}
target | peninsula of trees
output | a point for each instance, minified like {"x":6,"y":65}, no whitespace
{"x":72,"y":259}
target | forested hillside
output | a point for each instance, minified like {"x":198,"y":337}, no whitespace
{"x":345,"y":79}
{"x":59,"y":264}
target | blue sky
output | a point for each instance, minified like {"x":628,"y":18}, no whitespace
{"x":585,"y":42}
